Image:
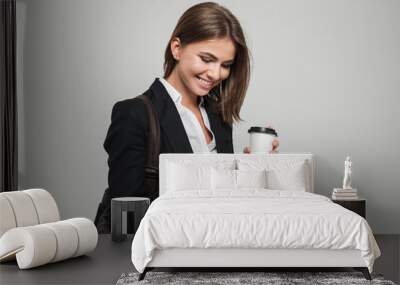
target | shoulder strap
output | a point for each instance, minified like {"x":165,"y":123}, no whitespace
{"x":153,"y":134}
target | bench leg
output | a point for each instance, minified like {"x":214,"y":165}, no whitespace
{"x":143,"y":274}
{"x":364,"y":271}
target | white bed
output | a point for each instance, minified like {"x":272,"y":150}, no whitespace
{"x":224,"y":217}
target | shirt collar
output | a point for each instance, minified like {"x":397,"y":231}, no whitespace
{"x":174,"y":94}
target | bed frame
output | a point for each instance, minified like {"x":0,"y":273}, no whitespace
{"x":248,"y":259}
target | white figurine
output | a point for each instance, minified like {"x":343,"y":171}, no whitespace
{"x":347,"y":174}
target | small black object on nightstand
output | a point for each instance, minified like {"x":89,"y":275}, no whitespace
{"x":137,"y":205}
{"x":358,"y":206}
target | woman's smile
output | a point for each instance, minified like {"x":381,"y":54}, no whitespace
{"x":204,"y":83}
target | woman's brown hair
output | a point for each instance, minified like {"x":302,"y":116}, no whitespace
{"x":211,"y":20}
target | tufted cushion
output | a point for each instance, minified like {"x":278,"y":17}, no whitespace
{"x":45,"y":205}
{"x":23,"y":209}
{"x":27,"y":208}
{"x":7,"y":220}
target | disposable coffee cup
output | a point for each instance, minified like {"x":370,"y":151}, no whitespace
{"x":261,"y":139}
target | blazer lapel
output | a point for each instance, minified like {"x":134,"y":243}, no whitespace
{"x":215,"y":124}
{"x":170,"y":122}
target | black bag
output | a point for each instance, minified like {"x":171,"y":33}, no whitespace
{"x":150,"y":185}
{"x":151,"y":170}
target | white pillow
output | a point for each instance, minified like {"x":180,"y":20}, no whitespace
{"x":199,"y":160}
{"x":223,"y":179}
{"x":282,"y":174}
{"x":251,"y":178}
{"x":182,"y":177}
{"x":291,"y":178}
{"x":227,"y":179}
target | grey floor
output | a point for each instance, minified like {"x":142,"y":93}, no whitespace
{"x":389,"y":262}
{"x":110,"y":260}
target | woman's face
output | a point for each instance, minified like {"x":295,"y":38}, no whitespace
{"x":202,"y":65}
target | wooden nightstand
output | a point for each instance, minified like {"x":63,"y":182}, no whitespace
{"x":358,"y":206}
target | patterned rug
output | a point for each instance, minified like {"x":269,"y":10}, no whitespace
{"x":243,"y":278}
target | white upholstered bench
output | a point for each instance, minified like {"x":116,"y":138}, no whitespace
{"x":31,"y":231}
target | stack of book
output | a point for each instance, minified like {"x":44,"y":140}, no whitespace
{"x":344,"y":194}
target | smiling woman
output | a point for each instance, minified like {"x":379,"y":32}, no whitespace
{"x":208,"y":44}
{"x":206,"y":75}
{"x":202,"y":66}
{"x":199,"y":68}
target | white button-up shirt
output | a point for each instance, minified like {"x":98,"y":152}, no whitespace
{"x":192,"y":126}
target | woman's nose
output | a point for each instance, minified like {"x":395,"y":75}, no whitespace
{"x":214,"y":72}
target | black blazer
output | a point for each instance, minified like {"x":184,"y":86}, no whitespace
{"x":126,"y":141}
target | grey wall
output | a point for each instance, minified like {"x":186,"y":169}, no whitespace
{"x":326,"y":75}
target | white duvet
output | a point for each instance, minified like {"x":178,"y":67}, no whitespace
{"x":251,"y":218}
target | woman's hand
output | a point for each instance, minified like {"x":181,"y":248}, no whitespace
{"x":275,"y":145}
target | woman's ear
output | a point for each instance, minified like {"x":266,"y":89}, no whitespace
{"x":176,"y":48}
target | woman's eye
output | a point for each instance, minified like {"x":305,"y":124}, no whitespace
{"x":206,"y":60}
